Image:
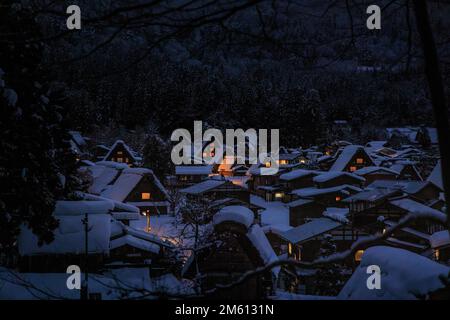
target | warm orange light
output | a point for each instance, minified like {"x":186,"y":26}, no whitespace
{"x":352,"y":168}
{"x":338,"y":198}
{"x":267,"y":164}
{"x":359,"y":160}
{"x":145,"y":196}
{"x":358,"y":255}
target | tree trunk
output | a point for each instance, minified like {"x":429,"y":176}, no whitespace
{"x":437,"y":93}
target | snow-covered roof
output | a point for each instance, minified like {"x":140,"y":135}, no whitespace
{"x":299,"y":202}
{"x":70,"y":236}
{"x":136,"y":243}
{"x":310,"y":230}
{"x":410,"y":187}
{"x":238,"y":214}
{"x":298,"y":173}
{"x":435,"y":176}
{"x":78,"y":138}
{"x":337,"y":214}
{"x":193,"y":170}
{"x":371,"y":195}
{"x":313,"y":191}
{"x":440,"y":239}
{"x":404,"y":275}
{"x":415,"y":207}
{"x":126,"y":147}
{"x":203,"y":186}
{"x":102,"y":175}
{"x":375,"y":170}
{"x":127,"y":181}
{"x":331,"y":175}
{"x":259,"y":240}
{"x":346,"y":155}
{"x":76,"y":208}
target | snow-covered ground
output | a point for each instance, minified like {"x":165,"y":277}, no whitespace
{"x":276,"y":213}
{"x":162,"y":226}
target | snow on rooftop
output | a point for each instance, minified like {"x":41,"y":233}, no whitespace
{"x":417,"y":208}
{"x":118,"y":206}
{"x":404,"y":276}
{"x":313,"y":191}
{"x":330,"y":175}
{"x":239,"y":214}
{"x":337,"y":214}
{"x":310,"y":230}
{"x":259,"y":240}
{"x":346,"y":155}
{"x":193,"y":170}
{"x":76,"y":208}
{"x":136,"y":243}
{"x":122,"y":187}
{"x":102,"y":177}
{"x":375,"y":169}
{"x":70,"y":237}
{"x":204,"y":186}
{"x":125,"y":146}
{"x":298,"y":173}
{"x":440,"y":239}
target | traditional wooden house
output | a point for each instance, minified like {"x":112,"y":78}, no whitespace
{"x":68,"y":246}
{"x":374,"y":173}
{"x":237,"y":245}
{"x":191,"y":174}
{"x":440,"y":244}
{"x":299,"y":178}
{"x":217,"y":188}
{"x":328,"y":197}
{"x":122,"y":153}
{"x":141,"y":188}
{"x":352,"y":158}
{"x":423,"y":191}
{"x":407,"y":170}
{"x":337,"y":178}
{"x":303,"y":210}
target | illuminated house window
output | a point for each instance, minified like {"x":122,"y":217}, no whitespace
{"x":338,"y":198}
{"x":302,"y":161}
{"x":290,"y":248}
{"x":436,"y":255}
{"x":119,"y":153}
{"x":127,"y":160}
{"x":299,"y":256}
{"x":279,"y":195}
{"x":352,"y":168}
{"x":267,"y":164}
{"x":119,"y":159}
{"x":358,"y":255}
{"x":145,"y":196}
{"x":283,"y":162}
{"x":359,"y":160}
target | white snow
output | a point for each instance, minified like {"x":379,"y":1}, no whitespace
{"x":404,"y":275}
{"x":419,"y":209}
{"x":346,"y":155}
{"x":136,"y":243}
{"x":330,"y":175}
{"x":238,"y":214}
{"x":259,"y":240}
{"x":310,"y":230}
{"x":440,"y":239}
{"x":70,"y":237}
{"x":204,"y":186}
{"x":299,"y":173}
{"x":75,"y":208}
{"x":337,"y":214}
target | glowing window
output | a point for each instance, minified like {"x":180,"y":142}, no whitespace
{"x":358,"y":255}
{"x":436,"y":254}
{"x":145,"y":195}
{"x":119,"y":159}
{"x":120,"y":153}
{"x":359,"y":160}
{"x":279,"y":195}
{"x":352,"y":168}
{"x":283,"y":162}
{"x":290,"y":248}
{"x":267,"y":164}
{"x":302,"y":161}
{"x":338,"y":198}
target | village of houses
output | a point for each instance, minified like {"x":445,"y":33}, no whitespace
{"x":141,"y":242}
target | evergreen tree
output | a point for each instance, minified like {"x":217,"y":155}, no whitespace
{"x":329,"y":277}
{"x":37,"y":166}
{"x":156,"y":156}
